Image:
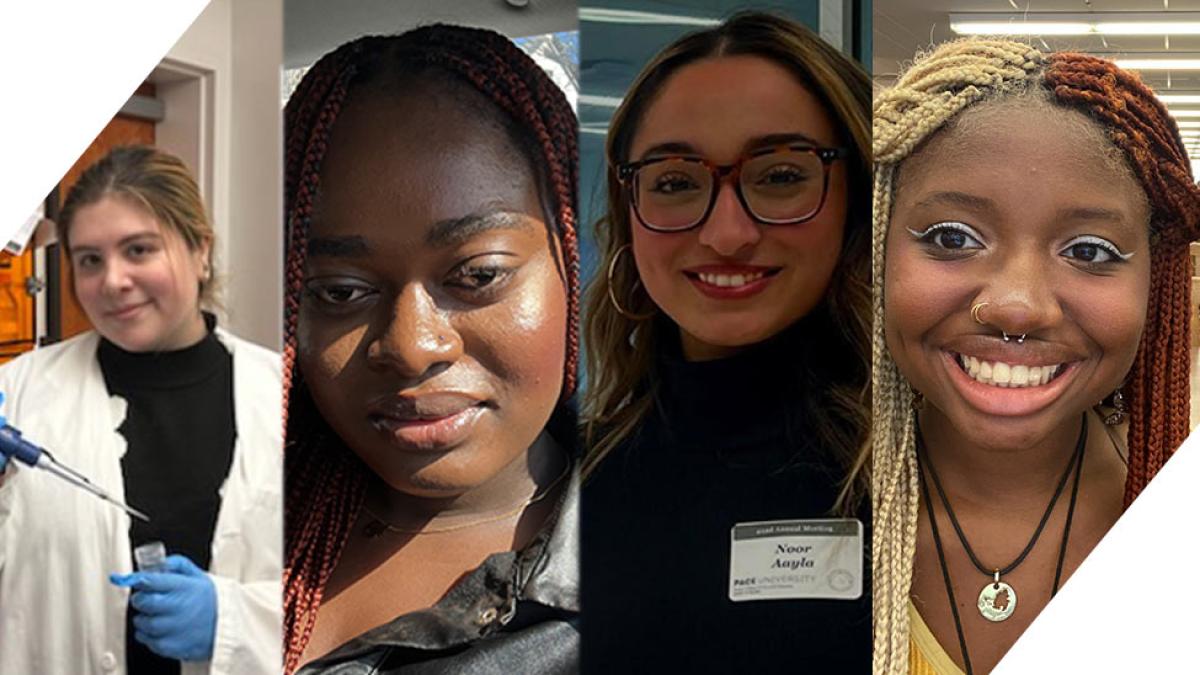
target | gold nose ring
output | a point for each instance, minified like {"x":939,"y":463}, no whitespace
{"x":976,"y":309}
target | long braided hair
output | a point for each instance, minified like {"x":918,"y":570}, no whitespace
{"x":937,"y":88}
{"x":324,"y":480}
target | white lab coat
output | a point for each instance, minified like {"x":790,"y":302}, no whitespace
{"x":58,"y":611}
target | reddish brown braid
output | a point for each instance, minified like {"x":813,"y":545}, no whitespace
{"x":325,"y":481}
{"x":1138,"y":123}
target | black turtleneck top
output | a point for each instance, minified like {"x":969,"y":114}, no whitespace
{"x":179,"y":433}
{"x":724,"y":445}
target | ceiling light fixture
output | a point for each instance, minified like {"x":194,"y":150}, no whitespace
{"x":600,"y":15}
{"x":600,"y":101}
{"x":1066,"y":23}
{"x":1158,"y":64}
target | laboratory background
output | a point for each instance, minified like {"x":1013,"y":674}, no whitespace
{"x":212,"y":101}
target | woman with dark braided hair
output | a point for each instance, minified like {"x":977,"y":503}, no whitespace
{"x":1032,"y":278}
{"x":430,"y":348}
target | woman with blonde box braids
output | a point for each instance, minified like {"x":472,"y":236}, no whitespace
{"x":1030,"y":252}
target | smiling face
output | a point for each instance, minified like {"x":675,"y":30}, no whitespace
{"x":432,"y":328}
{"x":1024,"y":208}
{"x":136,"y":280}
{"x":731,"y":281}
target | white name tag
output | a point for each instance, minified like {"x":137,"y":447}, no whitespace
{"x":781,"y":559}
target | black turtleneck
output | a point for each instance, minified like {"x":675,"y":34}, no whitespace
{"x":179,"y":432}
{"x":724,"y":445}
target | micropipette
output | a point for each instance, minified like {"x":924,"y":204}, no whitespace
{"x":13,"y":445}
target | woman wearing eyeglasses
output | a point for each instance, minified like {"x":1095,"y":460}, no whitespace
{"x":726,"y":345}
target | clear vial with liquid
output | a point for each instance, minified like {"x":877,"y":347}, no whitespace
{"x":151,"y":557}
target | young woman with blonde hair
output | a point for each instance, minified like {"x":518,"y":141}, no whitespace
{"x":166,"y":411}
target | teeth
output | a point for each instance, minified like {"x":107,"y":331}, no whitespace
{"x":730,"y":280}
{"x":1019,"y":377}
{"x":1000,"y":374}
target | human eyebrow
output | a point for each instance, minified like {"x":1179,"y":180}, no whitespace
{"x":782,"y":139}
{"x":125,"y":241}
{"x":1094,"y":213}
{"x":955,"y":198}
{"x":669,"y":148}
{"x":456,"y":231}
{"x":338,"y":247}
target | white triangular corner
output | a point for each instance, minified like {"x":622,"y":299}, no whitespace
{"x":66,"y":67}
{"x":1129,"y":607}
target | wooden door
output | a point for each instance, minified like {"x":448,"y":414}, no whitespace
{"x":17,"y":309}
{"x":122,"y":130}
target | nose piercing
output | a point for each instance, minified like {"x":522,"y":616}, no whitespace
{"x":976,"y":309}
{"x":1009,"y":338}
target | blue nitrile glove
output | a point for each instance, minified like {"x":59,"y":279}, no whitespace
{"x":176,"y":609}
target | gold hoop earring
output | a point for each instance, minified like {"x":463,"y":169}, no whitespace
{"x":612,"y":294}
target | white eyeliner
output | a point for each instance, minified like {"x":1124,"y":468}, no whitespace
{"x":1102,"y":243}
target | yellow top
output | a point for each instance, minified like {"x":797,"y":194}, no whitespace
{"x":925,"y":654}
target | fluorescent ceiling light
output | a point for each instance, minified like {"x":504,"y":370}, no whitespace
{"x":596,"y":128}
{"x":1179,"y":98}
{"x":1184,"y":113}
{"x":598,"y":15}
{"x":1018,"y":28}
{"x":1066,"y":23}
{"x":1149,"y":28}
{"x":1158,"y":64}
{"x":1185,"y":124}
{"x":600,"y":101}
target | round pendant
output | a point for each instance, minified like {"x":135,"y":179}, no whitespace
{"x":997,"y":601}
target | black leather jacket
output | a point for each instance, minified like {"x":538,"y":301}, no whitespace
{"x":518,"y":612}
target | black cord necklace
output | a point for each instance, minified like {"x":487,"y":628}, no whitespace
{"x":998,"y":600}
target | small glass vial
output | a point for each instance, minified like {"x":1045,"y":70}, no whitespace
{"x":151,"y":557}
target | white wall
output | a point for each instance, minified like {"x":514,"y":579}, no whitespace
{"x":220,"y":87}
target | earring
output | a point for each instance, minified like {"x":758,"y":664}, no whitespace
{"x":1119,"y":411}
{"x":918,"y":399}
{"x":612,"y":294}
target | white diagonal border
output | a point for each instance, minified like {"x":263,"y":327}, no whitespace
{"x":66,"y":67}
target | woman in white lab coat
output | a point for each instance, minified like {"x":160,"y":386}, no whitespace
{"x":163,"y":410}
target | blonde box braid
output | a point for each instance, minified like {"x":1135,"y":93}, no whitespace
{"x":938,"y":87}
{"x":932,"y":92}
